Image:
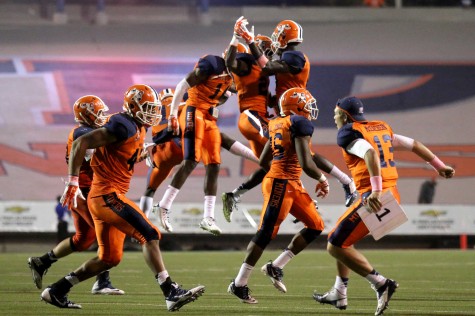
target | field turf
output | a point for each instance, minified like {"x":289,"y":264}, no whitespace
{"x":432,"y":282}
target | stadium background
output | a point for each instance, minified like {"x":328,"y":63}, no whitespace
{"x":413,"y":67}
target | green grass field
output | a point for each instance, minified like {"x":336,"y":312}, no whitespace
{"x":432,"y":282}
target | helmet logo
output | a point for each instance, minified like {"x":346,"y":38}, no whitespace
{"x":88,"y":106}
{"x":137,"y":94}
{"x":301,"y":97}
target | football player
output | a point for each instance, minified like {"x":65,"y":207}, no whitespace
{"x":368,"y":148}
{"x":167,"y":152}
{"x":292,"y":69}
{"x":252,"y":87}
{"x":119,"y":145}
{"x":285,"y":155}
{"x":89,"y":113}
{"x":201,"y":138}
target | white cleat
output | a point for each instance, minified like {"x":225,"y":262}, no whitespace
{"x":164,"y":216}
{"x":209,"y":224}
{"x":332,"y":297}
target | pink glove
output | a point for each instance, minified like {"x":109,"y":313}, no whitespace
{"x":71,"y":192}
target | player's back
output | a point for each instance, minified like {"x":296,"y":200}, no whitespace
{"x":207,"y":94}
{"x":252,"y":86}
{"x":85,"y":173}
{"x":282,"y":131}
{"x":298,"y":77}
{"x":379,"y":134}
{"x":113,"y":164}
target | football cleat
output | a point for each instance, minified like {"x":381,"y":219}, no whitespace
{"x":179,"y":297}
{"x":275,"y":274}
{"x":242,"y":293}
{"x":104,"y":286}
{"x":350,"y":193}
{"x":164,"y":216}
{"x":332,"y":297}
{"x":209,"y":224}
{"x":61,"y":301}
{"x":229,"y":205}
{"x":383,"y":294}
{"x":37,"y":271}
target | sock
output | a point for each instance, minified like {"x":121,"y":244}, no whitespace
{"x":169,"y":197}
{"x":48,"y":259}
{"x":239,"y":191}
{"x":162,"y":277}
{"x":375,"y":279}
{"x":146,"y":204}
{"x":103,"y":276}
{"x":341,"y":284}
{"x":243,"y":275}
{"x":72,"y":278}
{"x":165,"y":285}
{"x":209,"y":204}
{"x":283,"y":259}
{"x":240,"y":150}
{"x":341,"y":176}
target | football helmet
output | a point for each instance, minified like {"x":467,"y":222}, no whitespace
{"x":241,"y":48}
{"x":166,"y":96}
{"x":264,"y":43}
{"x":298,"y":101}
{"x":90,"y":110}
{"x":143,"y":104}
{"x":287,"y":31}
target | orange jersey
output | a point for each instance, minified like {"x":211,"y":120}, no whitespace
{"x":113,"y":164}
{"x":298,"y":78}
{"x":206,"y":95}
{"x":85,"y":173}
{"x":379,"y":135}
{"x":282,"y":131}
{"x":252,"y":86}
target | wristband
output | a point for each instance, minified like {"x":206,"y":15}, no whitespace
{"x":262,"y":60}
{"x":322,"y":178}
{"x":234,"y":41}
{"x":436,"y":163}
{"x":376,"y":183}
{"x":73,"y":179}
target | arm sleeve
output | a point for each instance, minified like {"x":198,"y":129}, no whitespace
{"x":359,"y":147}
{"x":400,"y":141}
{"x":180,"y":91}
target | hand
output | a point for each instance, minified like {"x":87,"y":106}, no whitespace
{"x":373,"y":201}
{"x":147,"y":154}
{"x":446,"y":172}
{"x":322,"y":189}
{"x":173,"y":125}
{"x":71,"y":192}
{"x":240,"y":30}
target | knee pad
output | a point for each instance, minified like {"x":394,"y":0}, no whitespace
{"x":310,"y":234}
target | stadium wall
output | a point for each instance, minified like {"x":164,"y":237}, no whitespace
{"x":413,"y":67}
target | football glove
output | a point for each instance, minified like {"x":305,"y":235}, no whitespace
{"x":148,"y":150}
{"x":71,"y":192}
{"x":173,"y":125}
{"x":240,"y":30}
{"x":323,"y":188}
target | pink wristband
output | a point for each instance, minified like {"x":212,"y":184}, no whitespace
{"x":436,"y":163}
{"x":73,"y":179}
{"x":376,"y":183}
{"x":262,"y":61}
